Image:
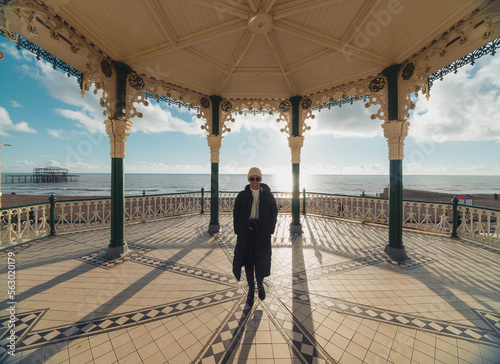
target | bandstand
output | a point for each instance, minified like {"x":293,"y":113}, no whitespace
{"x":341,"y":288}
{"x":285,"y":58}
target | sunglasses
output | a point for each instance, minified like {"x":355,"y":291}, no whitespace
{"x":251,"y":179}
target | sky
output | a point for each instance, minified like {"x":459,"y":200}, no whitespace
{"x":48,"y":123}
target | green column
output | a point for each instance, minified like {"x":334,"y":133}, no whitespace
{"x":117,"y":203}
{"x":117,"y":245}
{"x":395,"y":248}
{"x":214,"y":226}
{"x":396,"y":204}
{"x":295,"y":227}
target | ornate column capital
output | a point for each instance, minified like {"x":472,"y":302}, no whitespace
{"x":118,"y":131}
{"x":295,"y":143}
{"x":214,"y":142}
{"x":395,"y":131}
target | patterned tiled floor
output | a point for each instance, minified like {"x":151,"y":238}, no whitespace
{"x":333,"y":297}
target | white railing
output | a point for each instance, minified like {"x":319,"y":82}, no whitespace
{"x":82,"y":214}
{"x":479,"y":224}
{"x":19,"y":224}
{"x":428,"y":216}
{"x":24,"y":223}
{"x":143,"y":208}
{"x":365,"y":209}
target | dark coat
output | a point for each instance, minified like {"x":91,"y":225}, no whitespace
{"x":268,"y":215}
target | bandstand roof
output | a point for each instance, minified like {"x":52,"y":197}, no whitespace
{"x":257,"y":48}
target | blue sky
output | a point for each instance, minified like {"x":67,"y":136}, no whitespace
{"x":45,"y":118}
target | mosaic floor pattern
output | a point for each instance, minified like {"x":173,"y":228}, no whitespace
{"x":333,"y":297}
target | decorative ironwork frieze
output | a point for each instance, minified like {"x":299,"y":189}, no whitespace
{"x":171,"y":101}
{"x":226,"y":106}
{"x":339,"y":102}
{"x":106,"y":68}
{"x":306,"y":103}
{"x":46,"y":56}
{"x":136,"y":82}
{"x":363,"y":89}
{"x":408,"y":71}
{"x":377,"y":84}
{"x":471,"y":58}
{"x":284,"y":106}
{"x":141,"y":88}
{"x":205,"y":102}
{"x":428,"y":63}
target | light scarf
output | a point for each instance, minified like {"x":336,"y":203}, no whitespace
{"x":254,"y":212}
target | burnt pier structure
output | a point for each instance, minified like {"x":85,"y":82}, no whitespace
{"x":43,"y":175}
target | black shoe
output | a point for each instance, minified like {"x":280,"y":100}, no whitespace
{"x":262,"y":291}
{"x":250,"y":296}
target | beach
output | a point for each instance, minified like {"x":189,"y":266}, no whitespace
{"x":16,"y":200}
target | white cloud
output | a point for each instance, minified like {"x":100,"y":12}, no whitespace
{"x":359,"y":168}
{"x":424,"y":169}
{"x":88,"y":113}
{"x":159,"y":167}
{"x":158,"y":120}
{"x":346,"y":121}
{"x":88,"y":121}
{"x":56,"y":133}
{"x":14,"y":103}
{"x":6,"y":124}
{"x":462,"y":107}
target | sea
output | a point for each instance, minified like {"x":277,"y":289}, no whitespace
{"x":99,"y":184}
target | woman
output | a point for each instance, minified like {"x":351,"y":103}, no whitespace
{"x":254,"y":218}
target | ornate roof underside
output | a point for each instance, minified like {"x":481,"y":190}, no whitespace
{"x":256,"y":48}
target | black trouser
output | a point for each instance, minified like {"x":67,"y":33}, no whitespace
{"x":249,"y":271}
{"x":250,"y":259}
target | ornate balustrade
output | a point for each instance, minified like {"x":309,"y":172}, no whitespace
{"x":479,"y":224}
{"x":365,"y":209}
{"x":19,"y":224}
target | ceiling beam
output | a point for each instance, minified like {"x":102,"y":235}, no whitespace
{"x":204,"y":35}
{"x":351,"y":78}
{"x":216,"y":31}
{"x":278,"y":55}
{"x":268,"y":71}
{"x":299,"y":6}
{"x":238,"y":55}
{"x":360,"y":18}
{"x":159,"y":15}
{"x":197,"y":55}
{"x":253,"y":6}
{"x":227,"y":6}
{"x":267,"y":6}
{"x":329,"y":42}
{"x":311,"y":60}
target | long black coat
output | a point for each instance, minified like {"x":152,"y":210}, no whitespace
{"x":268,"y":215}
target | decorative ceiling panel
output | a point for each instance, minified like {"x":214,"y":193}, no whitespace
{"x":281,"y":48}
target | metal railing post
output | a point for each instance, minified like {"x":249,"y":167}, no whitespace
{"x":52,"y":201}
{"x":202,"y":200}
{"x":455,"y":218}
{"x":304,"y":202}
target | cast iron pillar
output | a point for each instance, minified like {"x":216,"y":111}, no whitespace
{"x":214,"y":142}
{"x":395,"y":131}
{"x":295,"y":142}
{"x":118,"y":128}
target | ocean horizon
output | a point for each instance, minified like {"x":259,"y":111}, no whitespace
{"x":99,"y":184}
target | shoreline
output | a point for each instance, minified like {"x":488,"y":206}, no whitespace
{"x":480,"y":200}
{"x":9,"y":200}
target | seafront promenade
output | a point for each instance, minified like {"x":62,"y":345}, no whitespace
{"x":333,"y":296}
